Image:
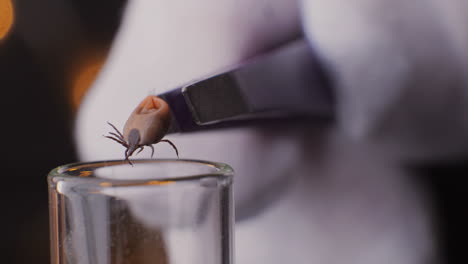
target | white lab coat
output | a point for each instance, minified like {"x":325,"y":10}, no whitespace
{"x":320,"y":194}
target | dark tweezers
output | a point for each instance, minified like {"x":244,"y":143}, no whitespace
{"x":286,"y":85}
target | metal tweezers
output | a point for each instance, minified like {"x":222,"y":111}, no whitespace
{"x":285,"y":85}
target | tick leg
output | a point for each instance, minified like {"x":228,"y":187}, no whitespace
{"x":140,"y":149}
{"x":118,"y":141}
{"x":117,"y":136}
{"x":152,"y":150}
{"x":129,"y":161}
{"x":127,"y":157}
{"x":173,"y":146}
{"x":116,"y":130}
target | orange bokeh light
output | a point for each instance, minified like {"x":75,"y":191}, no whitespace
{"x":84,"y":75}
{"x":7,"y":17}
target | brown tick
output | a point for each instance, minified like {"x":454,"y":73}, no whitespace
{"x":146,"y":126}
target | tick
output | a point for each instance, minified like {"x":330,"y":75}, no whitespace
{"x":146,"y":126}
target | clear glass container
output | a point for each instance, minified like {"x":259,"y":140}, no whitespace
{"x":157,"y":211}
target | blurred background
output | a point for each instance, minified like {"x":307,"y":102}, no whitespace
{"x":50,"y":53}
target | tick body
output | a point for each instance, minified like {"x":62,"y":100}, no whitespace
{"x":146,"y":126}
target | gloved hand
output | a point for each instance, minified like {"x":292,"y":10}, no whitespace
{"x":400,"y":70}
{"x":163,"y":44}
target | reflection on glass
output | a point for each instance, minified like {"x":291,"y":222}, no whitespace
{"x":158,"y":211}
